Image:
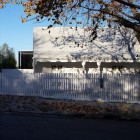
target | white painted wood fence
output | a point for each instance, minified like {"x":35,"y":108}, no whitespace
{"x":115,"y":88}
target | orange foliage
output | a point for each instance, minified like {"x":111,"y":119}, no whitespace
{"x":24,"y":20}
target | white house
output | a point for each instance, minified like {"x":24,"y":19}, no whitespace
{"x":71,"y":49}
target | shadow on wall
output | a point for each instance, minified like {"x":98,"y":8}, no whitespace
{"x":111,"y":45}
{"x":118,"y":42}
{"x":55,"y":65}
{"x":68,"y":67}
{"x":90,"y":67}
{"x":122,"y":67}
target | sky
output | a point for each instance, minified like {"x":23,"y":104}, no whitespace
{"x":16,"y":34}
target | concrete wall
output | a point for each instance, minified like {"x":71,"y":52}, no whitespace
{"x":64,"y":43}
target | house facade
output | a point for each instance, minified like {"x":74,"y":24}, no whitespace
{"x":72,"y":50}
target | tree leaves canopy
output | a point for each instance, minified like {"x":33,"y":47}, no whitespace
{"x":86,"y":13}
{"x":7,"y":56}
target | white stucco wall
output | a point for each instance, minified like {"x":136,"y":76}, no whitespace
{"x":60,"y":44}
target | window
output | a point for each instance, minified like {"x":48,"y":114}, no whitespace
{"x":56,"y":67}
{"x":117,"y":67}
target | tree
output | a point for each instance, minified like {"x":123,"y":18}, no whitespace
{"x":89,"y":13}
{"x":8,"y":56}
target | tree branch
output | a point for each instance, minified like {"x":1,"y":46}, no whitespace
{"x":132,"y":17}
{"x":128,"y":24}
{"x":128,"y":4}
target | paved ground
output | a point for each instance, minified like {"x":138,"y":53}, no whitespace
{"x":30,"y":127}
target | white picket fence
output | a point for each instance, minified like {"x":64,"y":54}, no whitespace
{"x":110,"y":88}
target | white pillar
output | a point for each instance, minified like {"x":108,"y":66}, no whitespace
{"x":100,"y":72}
{"x":99,"y":66}
{"x":34,"y":63}
{"x":83,"y":65}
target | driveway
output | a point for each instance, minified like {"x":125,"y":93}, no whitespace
{"x":30,"y":127}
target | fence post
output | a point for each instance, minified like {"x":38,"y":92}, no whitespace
{"x":101,"y":82}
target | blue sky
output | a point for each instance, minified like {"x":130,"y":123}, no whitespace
{"x":16,"y":34}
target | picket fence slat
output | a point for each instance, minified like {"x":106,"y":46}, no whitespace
{"x":111,"y":88}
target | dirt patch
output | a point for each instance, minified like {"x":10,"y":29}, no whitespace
{"x":68,"y":107}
